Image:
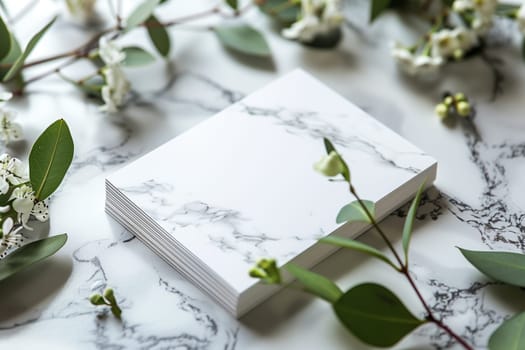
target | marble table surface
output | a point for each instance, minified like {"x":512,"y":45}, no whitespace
{"x":475,"y":204}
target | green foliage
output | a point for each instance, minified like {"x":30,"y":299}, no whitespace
{"x":378,"y":7}
{"x":50,"y":158}
{"x":136,"y":56}
{"x":20,"y":60}
{"x":502,"y":266}
{"x":510,"y":335}
{"x":358,"y":246}
{"x":234,"y":4}
{"x":244,"y":39}
{"x":283,"y":11}
{"x":354,"y":212}
{"x":30,"y":254}
{"x":267,"y":271}
{"x":159,"y":36}
{"x":316,"y":284}
{"x":141,"y":13}
{"x":409,"y":221}
{"x":375,"y":315}
{"x":5,"y":39}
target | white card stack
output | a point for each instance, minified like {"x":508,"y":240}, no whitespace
{"x":240,"y":186}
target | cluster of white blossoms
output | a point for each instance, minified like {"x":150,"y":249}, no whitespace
{"x":81,"y":10}
{"x":18,"y":203}
{"x":9,"y":130}
{"x":318,"y":17}
{"x":480,"y":13}
{"x":116,"y":85}
{"x":448,"y":43}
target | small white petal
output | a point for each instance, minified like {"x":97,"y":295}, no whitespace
{"x":7,"y":225}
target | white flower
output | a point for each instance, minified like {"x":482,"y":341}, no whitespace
{"x":82,"y":10}
{"x":11,"y":236}
{"x":5,"y":96}
{"x":317,"y":17}
{"x":9,"y":130}
{"x":330,"y":165}
{"x":25,"y":204}
{"x":116,"y":88}
{"x":482,"y":10}
{"x":453,"y":42}
{"x":12,"y":172}
{"x":520,"y":18}
{"x":413,"y":64}
{"x":110,"y":52}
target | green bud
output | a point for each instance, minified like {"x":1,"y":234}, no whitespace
{"x":448,"y":101}
{"x":267,"y":270}
{"x":460,"y":97}
{"x":458,"y":54}
{"x":109,"y":295}
{"x":463,"y":108}
{"x":441,"y":110}
{"x":256,"y":272}
{"x":330,"y":165}
{"x":96,"y":299}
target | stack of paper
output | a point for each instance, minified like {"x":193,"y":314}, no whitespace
{"x":240,"y":186}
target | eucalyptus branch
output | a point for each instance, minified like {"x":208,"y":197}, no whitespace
{"x":405,"y":271}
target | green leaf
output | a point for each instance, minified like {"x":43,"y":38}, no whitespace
{"x":355,"y":245}
{"x":375,"y":315}
{"x":244,"y":39}
{"x":378,"y":7}
{"x":30,"y":254}
{"x":283,"y":11}
{"x":141,"y":13}
{"x":315,"y":283}
{"x":510,"y":335}
{"x":136,"y":56}
{"x":11,"y":57}
{"x":234,"y":4}
{"x":5,"y":39}
{"x":50,"y":158}
{"x":409,"y":221}
{"x":17,"y":65}
{"x":354,"y":212}
{"x":502,"y":266}
{"x":159,"y":36}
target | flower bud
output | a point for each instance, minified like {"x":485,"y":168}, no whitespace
{"x":96,"y":299}
{"x":109,"y":295}
{"x":463,"y":108}
{"x":460,"y":97}
{"x":448,"y":101}
{"x":267,"y":270}
{"x":330,"y":165}
{"x":441,"y":110}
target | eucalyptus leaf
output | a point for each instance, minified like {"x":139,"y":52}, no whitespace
{"x":50,"y":158}
{"x":5,"y":39}
{"x":510,"y":335}
{"x":30,"y":254}
{"x":136,"y":56}
{"x":409,"y":221}
{"x":358,"y":246}
{"x":17,"y":65}
{"x":141,"y":13}
{"x":378,"y":7}
{"x":316,"y":284}
{"x":502,"y":266}
{"x":11,"y":57}
{"x":234,"y":4}
{"x":244,"y":39}
{"x":283,"y":11}
{"x":375,"y":315}
{"x":354,"y":212}
{"x":159,"y":36}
